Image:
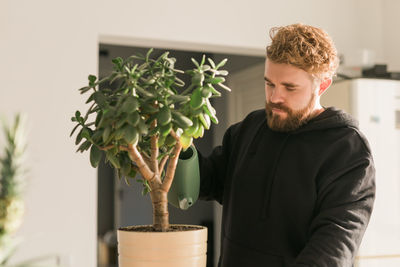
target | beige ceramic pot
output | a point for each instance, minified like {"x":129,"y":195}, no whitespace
{"x":162,"y":249}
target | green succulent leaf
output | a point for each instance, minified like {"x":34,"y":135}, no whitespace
{"x":148,"y":54}
{"x":90,"y":99}
{"x":84,"y":89}
{"x":113,"y":159}
{"x":121,"y":121}
{"x":179,"y":98}
{"x":211,"y":62}
{"x":130,"y":104}
{"x":149,"y":108}
{"x":199,"y":132}
{"x":142,"y":127}
{"x":205,"y":68}
{"x":100,"y":99}
{"x":85,"y":133}
{"x":74,"y":129}
{"x":191,"y":131}
{"x":84,"y":146}
{"x":131,"y":135}
{"x":97,"y":136}
{"x":198,"y":78}
{"x":196,"y":100}
{"x":124,"y":169}
{"x":179,"y":82}
{"x":214,"y":91}
{"x":164,"y":116}
{"x":78,"y":138}
{"x":222,"y":72}
{"x":210,"y":111}
{"x":170,"y":141}
{"x":92,"y":79}
{"x":222,"y":63}
{"x":125,"y":163}
{"x":95,"y":156}
{"x":203,"y":60}
{"x":106,"y":134}
{"x":119,"y":133}
{"x":215,"y":80}
{"x":186,"y":141}
{"x":132,"y":173}
{"x":77,"y":115}
{"x":206,"y":92}
{"x":161,"y":141}
{"x":224,"y":87}
{"x":165,"y":129}
{"x":195,"y":62}
{"x":118,"y":62}
{"x":205,"y":120}
{"x":181,"y":120}
{"x":133,"y":118}
{"x":146,"y":190}
{"x":98,"y":118}
{"x":144,"y":92}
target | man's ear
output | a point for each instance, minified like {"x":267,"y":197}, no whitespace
{"x":324,"y":85}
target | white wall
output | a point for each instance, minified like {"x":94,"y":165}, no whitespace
{"x":47,"y":48}
{"x":391,"y":29}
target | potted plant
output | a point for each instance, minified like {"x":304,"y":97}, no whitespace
{"x":142,"y":125}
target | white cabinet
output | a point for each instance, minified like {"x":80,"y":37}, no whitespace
{"x":375,"y":103}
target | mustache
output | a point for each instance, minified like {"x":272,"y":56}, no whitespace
{"x":270,"y":106}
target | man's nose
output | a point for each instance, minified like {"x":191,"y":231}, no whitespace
{"x":276,"y":96}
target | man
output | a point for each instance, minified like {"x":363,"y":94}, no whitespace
{"x":296,"y":180}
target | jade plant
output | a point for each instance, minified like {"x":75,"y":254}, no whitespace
{"x":147,"y":118}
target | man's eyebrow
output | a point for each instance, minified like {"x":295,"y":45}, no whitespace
{"x":266,"y":79}
{"x":287,"y":84}
{"x":290,"y":84}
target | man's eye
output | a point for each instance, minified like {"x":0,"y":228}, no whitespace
{"x":270,"y":84}
{"x":291,"y":89}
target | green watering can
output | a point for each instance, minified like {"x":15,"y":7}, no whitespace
{"x":185,"y":187}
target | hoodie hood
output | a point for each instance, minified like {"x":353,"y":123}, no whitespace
{"x":330,"y":118}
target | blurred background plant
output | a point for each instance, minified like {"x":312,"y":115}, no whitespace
{"x":12,"y":180}
{"x":12,"y":183}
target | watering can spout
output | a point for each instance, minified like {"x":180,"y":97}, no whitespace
{"x":185,"y":203}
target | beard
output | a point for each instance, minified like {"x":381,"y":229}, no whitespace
{"x":294,"y":118}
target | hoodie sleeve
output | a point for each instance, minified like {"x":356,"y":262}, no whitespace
{"x":345,"y":201}
{"x":213,"y":170}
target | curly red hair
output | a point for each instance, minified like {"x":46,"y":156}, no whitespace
{"x":306,"y":47}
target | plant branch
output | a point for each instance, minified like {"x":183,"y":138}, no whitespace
{"x":172,"y":167}
{"x":154,"y":149}
{"x":174,"y":135}
{"x":141,"y":164}
{"x":162,"y":163}
{"x":146,"y":162}
{"x":111,"y":146}
{"x":146,"y":158}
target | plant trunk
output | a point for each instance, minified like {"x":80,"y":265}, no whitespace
{"x":160,"y":210}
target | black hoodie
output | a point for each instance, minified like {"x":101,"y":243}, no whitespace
{"x":301,"y":198}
